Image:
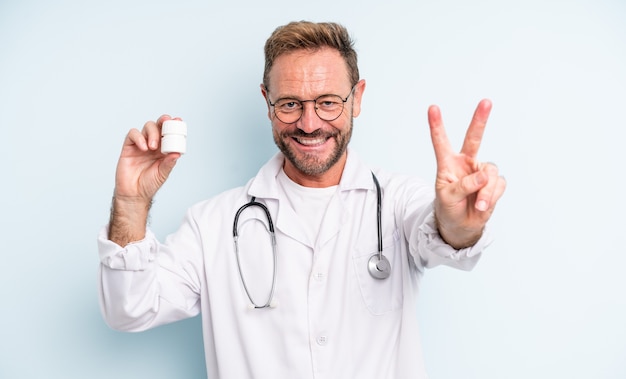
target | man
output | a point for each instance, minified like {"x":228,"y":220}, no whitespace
{"x":335,"y":296}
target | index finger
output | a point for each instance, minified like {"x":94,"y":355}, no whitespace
{"x":438,"y":135}
{"x":164,"y":118}
{"x":152,"y":131}
{"x":474,"y":134}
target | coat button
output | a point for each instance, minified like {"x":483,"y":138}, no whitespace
{"x":322,"y":340}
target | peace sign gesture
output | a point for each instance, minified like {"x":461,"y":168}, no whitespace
{"x":466,"y":189}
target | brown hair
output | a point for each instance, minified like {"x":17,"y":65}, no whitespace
{"x":310,"y":36}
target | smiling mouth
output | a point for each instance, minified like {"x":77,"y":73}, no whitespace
{"x":311,"y":141}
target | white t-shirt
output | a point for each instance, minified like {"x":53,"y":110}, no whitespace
{"x":309,"y":203}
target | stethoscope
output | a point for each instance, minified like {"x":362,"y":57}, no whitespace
{"x":378,"y":265}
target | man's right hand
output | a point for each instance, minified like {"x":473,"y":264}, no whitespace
{"x":141,"y":171}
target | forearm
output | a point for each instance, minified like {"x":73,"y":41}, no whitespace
{"x":129,"y":217}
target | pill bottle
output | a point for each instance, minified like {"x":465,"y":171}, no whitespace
{"x":174,"y":137}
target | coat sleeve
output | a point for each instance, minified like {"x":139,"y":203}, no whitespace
{"x":430,"y":250}
{"x":146,"y":283}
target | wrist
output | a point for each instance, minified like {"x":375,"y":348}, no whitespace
{"x":129,"y":217}
{"x":458,"y":237}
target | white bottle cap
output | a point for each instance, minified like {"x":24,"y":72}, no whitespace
{"x":174,"y":127}
{"x":174,"y":137}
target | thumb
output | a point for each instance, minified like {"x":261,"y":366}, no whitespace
{"x":467,"y":186}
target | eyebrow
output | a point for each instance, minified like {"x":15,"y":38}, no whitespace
{"x":300,"y":99}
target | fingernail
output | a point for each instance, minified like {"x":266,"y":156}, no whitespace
{"x":481,"y":205}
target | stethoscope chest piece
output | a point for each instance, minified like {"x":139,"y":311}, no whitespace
{"x":379,"y":266}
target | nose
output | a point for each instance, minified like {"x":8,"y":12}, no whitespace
{"x":309,"y":121}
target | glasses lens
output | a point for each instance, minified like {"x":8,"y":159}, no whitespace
{"x":288,"y":110}
{"x":329,"y":107}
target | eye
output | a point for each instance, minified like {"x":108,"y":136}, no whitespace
{"x":329,"y":102}
{"x":287,"y":105}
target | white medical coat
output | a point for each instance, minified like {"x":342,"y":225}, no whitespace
{"x":333,"y":319}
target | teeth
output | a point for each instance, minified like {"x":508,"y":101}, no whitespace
{"x":311,"y":142}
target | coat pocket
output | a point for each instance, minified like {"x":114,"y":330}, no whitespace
{"x":380,"y":295}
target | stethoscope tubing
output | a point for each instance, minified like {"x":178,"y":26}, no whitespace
{"x":252,"y":202}
{"x":379,"y":207}
{"x":378,"y":265}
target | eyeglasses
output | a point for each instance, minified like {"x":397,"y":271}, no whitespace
{"x":327,"y":107}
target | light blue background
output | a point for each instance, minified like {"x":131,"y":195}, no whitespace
{"x":547,"y":301}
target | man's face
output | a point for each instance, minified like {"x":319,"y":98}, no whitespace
{"x":315,"y":149}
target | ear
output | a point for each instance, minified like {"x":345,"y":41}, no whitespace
{"x":359,"y":88}
{"x":267,"y":100}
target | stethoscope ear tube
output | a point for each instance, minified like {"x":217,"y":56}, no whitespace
{"x":253,"y":202}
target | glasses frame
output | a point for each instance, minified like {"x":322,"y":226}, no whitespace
{"x":343,"y":105}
